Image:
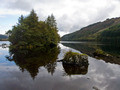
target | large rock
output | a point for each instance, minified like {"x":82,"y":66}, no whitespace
{"x":73,"y":58}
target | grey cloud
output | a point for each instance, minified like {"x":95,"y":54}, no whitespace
{"x":48,"y":1}
{"x":80,"y":22}
{"x":103,"y":14}
{"x":117,"y":0}
{"x":21,"y":5}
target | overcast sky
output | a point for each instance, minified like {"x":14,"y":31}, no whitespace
{"x":71,"y":15}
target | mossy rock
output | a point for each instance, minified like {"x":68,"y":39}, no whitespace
{"x":100,"y":53}
{"x":74,"y":58}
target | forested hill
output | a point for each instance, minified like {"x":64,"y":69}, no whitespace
{"x":3,"y":37}
{"x":94,"y":31}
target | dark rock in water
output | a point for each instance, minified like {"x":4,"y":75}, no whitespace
{"x":100,"y":54}
{"x":95,"y":88}
{"x":75,"y":63}
{"x":118,"y":56}
{"x":75,"y":70}
{"x":73,"y":58}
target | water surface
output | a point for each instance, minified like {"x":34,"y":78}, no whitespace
{"x":43,"y":72}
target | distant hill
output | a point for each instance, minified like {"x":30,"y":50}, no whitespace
{"x":3,"y":37}
{"x":112,"y":34}
{"x":96,"y":31}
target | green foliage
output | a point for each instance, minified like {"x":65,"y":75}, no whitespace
{"x":30,"y":31}
{"x":111,"y":34}
{"x":51,"y":21}
{"x":70,"y":54}
{"x":99,"y":51}
{"x":8,"y":33}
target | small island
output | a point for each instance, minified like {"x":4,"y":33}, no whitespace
{"x":31,"y":33}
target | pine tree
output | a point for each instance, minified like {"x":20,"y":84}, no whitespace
{"x":31,"y":20}
{"x":21,"y":19}
{"x":51,"y":21}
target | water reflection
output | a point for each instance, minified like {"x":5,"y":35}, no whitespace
{"x":89,"y":48}
{"x":75,"y":70}
{"x":100,"y":75}
{"x":33,"y":59}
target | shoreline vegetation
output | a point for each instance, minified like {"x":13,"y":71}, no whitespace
{"x":32,"y":33}
{"x":4,"y":40}
{"x":3,"y":37}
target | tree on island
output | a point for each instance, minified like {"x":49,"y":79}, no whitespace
{"x":29,"y":31}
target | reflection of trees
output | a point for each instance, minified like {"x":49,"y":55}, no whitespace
{"x":113,"y":49}
{"x":82,"y":47}
{"x":51,"y":67}
{"x":32,"y":59}
{"x":90,"y":48}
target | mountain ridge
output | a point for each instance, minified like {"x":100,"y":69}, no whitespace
{"x":92,"y":31}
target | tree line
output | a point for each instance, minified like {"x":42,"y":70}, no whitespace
{"x":112,"y":34}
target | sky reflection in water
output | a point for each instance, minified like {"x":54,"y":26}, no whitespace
{"x":101,"y":75}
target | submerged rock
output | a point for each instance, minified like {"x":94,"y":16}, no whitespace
{"x":73,"y":58}
{"x":75,"y":70}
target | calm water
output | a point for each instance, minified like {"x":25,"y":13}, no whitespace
{"x":44,"y":73}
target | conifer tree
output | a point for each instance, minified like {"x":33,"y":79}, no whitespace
{"x":51,"y":21}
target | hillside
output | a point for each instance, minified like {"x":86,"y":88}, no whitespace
{"x":3,"y":37}
{"x":110,"y":34}
{"x":92,"y":32}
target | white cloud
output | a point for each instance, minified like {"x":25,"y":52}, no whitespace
{"x":5,"y":11}
{"x":71,"y":15}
